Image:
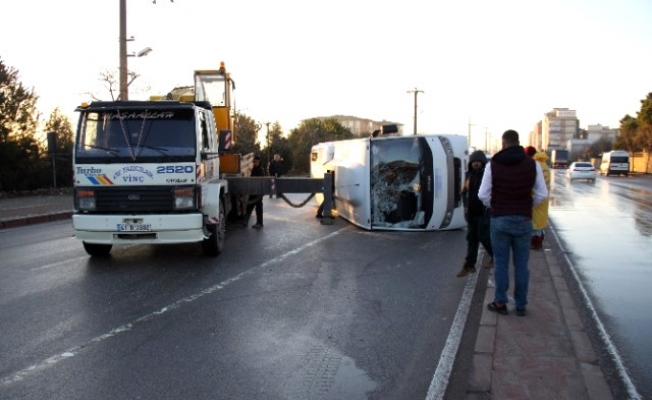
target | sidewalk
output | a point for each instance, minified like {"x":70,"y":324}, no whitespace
{"x":545,"y":355}
{"x":25,"y":210}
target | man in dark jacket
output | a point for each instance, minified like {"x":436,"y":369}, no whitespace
{"x":256,"y":201}
{"x":276,"y":168}
{"x":507,"y":189}
{"x":476,"y":214}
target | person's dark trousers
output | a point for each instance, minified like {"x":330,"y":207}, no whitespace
{"x":258,"y":206}
{"x":477,"y":231}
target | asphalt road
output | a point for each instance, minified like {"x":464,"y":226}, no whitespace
{"x":297,"y":310}
{"x":606,"y":233}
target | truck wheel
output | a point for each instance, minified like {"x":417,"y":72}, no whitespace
{"x":97,"y":250}
{"x":214,"y":245}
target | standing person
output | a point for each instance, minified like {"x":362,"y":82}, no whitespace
{"x":476,"y":214}
{"x":506,"y":189}
{"x":540,"y":211}
{"x":257,"y":204}
{"x":276,"y":168}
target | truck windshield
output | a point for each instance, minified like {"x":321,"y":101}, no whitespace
{"x":136,"y":135}
{"x":401,"y":183}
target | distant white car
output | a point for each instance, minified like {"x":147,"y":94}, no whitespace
{"x":581,"y":170}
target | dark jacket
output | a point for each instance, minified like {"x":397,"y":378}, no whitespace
{"x":472,"y":204}
{"x":276,"y":168}
{"x":513,"y":175}
{"x":258,"y":171}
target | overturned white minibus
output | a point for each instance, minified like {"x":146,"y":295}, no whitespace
{"x":408,"y":183}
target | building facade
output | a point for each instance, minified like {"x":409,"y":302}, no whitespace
{"x":600,"y":132}
{"x":558,"y":127}
{"x":536,"y":136}
{"x":362,"y":126}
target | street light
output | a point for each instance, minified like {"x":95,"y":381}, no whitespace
{"x":141,"y":53}
{"x":144,"y":52}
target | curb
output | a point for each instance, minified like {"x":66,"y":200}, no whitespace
{"x":34,"y":219}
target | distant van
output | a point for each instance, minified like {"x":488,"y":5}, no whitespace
{"x":615,"y":163}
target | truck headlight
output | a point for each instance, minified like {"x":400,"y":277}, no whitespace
{"x":86,"y":200}
{"x":184,"y":198}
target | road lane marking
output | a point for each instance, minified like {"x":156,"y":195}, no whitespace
{"x":57,"y":264}
{"x":72,"y":352}
{"x":439,"y":382}
{"x":632,"y":393}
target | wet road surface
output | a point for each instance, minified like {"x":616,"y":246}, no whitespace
{"x":296,"y":310}
{"x":606,"y":229}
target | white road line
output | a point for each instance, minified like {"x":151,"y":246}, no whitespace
{"x":632,"y":393}
{"x":439,"y":382}
{"x":65,"y":262}
{"x":72,"y":352}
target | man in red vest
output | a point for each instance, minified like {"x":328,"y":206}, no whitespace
{"x":506,"y":189}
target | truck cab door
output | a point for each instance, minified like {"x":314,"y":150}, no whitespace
{"x":208,"y":145}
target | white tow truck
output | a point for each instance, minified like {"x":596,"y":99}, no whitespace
{"x":148,"y":172}
{"x":160,"y":171}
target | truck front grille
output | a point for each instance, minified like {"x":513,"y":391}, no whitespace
{"x":138,"y":199}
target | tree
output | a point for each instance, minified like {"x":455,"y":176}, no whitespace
{"x":61,"y":126}
{"x":603,"y":145}
{"x":246,"y":130}
{"x":311,"y":132}
{"x":583,"y":153}
{"x":644,"y":117}
{"x":278,"y":144}
{"x":20,"y":163}
{"x":18,"y":113}
{"x":628,"y":132}
{"x":644,"y":133}
{"x":109,"y":81}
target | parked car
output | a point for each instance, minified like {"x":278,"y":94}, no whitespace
{"x":581,"y":170}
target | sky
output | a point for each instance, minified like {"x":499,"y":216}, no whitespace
{"x":482,"y":66}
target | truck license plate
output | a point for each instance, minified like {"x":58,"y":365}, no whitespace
{"x":134,"y":227}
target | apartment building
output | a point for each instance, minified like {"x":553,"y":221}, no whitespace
{"x":362,"y":126}
{"x":597,"y":132}
{"x":558,"y":127}
{"x":536,"y":136}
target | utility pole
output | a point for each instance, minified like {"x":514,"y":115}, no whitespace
{"x":469,"y":137}
{"x":416,"y":92}
{"x":123,"y":70}
{"x":269,"y":149}
{"x":124,"y":87}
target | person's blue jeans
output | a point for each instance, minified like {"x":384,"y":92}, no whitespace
{"x":511,"y":233}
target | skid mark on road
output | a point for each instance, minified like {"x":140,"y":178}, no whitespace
{"x":72,"y":352}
